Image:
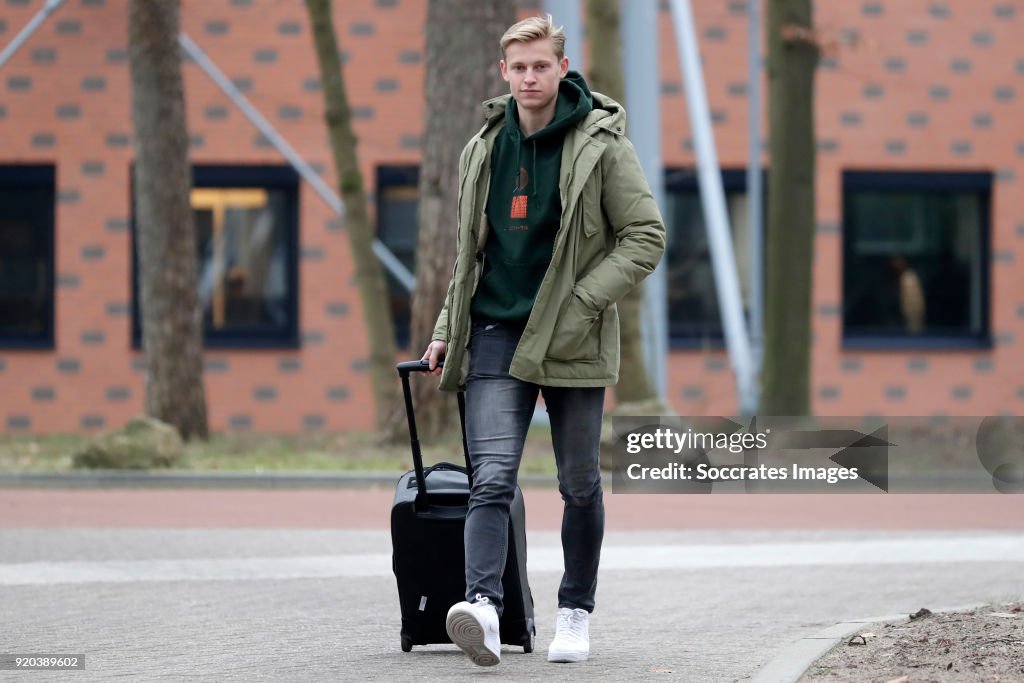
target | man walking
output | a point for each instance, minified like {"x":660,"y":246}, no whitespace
{"x":556,"y":224}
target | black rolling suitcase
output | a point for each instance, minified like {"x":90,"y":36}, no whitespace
{"x":428,"y":555}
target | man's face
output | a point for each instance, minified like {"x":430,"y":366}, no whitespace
{"x":533,"y":71}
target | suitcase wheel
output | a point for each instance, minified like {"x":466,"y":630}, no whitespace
{"x":406,"y":643}
{"x":528,"y":643}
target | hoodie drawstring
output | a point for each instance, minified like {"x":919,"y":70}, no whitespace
{"x":533,"y":177}
{"x":519,"y":152}
{"x":532,"y":180}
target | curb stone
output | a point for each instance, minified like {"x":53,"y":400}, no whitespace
{"x":796,"y":659}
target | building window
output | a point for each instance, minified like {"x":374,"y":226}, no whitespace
{"x":693,"y":313}
{"x":398,"y":230}
{"x":915,"y":264}
{"x":26,"y":256}
{"x":246,"y":247}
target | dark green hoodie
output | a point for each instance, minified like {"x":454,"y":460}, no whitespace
{"x":524,"y":207}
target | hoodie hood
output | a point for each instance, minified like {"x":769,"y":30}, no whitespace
{"x":604,"y":111}
{"x":574,"y":103}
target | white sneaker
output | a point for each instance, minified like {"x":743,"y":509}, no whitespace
{"x":473,"y":626}
{"x":572,"y":636}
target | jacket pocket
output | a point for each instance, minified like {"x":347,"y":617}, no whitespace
{"x":577,"y":334}
{"x":593,"y":214}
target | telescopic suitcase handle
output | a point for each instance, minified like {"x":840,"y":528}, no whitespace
{"x":404,"y":369}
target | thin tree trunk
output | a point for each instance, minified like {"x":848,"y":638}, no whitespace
{"x":792,"y":58}
{"x":462,"y":54}
{"x":369,"y":272}
{"x":172,"y":333}
{"x":605,"y":76}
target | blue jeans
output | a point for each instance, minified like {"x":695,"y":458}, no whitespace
{"x":498,"y":413}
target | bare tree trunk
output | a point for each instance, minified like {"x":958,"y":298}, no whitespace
{"x":369,"y":272}
{"x":792,"y":58}
{"x":461,"y":72}
{"x":172,"y":333}
{"x":605,"y":76}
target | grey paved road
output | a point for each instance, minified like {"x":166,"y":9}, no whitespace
{"x":251,"y":604}
{"x":296,"y":585}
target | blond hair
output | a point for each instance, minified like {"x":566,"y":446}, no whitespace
{"x":535,"y":28}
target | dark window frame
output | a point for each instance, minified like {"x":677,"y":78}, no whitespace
{"x":932,"y":181}
{"x":686,"y":179}
{"x":15,"y":175}
{"x":397,"y":175}
{"x":274,"y":177}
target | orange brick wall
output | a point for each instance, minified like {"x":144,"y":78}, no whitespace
{"x":64,"y":99}
{"x":862,"y":76}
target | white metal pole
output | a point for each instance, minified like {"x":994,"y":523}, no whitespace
{"x":643,"y":107}
{"x":30,"y":28}
{"x":390,"y":261}
{"x":567,"y":14}
{"x":755,"y":194}
{"x":716,"y":217}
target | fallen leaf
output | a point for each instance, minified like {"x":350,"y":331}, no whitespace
{"x":901,"y":679}
{"x":923,"y":612}
{"x":655,"y":670}
{"x":853,"y":640}
{"x":868,"y":635}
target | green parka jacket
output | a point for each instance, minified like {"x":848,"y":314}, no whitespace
{"x":611,"y":236}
